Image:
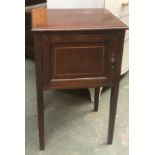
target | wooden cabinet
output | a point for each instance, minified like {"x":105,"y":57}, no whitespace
{"x":75,"y":52}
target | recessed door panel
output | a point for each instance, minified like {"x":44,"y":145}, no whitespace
{"x":78,"y":61}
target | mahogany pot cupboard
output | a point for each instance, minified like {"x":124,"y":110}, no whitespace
{"x":77,"y":48}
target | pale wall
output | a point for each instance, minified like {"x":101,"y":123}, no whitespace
{"x":75,"y":3}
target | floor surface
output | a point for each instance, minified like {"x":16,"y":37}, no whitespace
{"x":71,"y":127}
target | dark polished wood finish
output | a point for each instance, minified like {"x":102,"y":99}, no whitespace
{"x":112,"y":111}
{"x":75,"y":19}
{"x":39,"y":85}
{"x":80,"y":48}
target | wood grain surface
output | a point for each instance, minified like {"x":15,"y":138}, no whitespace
{"x":74,"y":19}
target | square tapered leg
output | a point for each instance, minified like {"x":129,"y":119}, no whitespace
{"x":112,"y":111}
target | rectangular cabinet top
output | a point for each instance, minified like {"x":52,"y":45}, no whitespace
{"x":74,"y":19}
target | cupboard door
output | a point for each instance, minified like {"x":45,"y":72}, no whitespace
{"x":73,"y":63}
